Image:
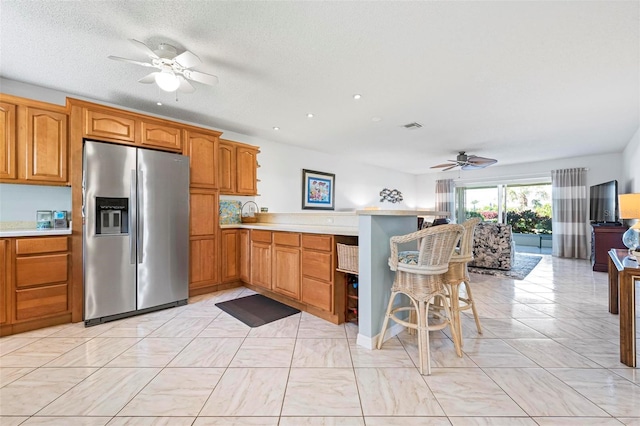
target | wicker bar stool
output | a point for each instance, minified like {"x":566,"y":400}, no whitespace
{"x":458,"y":273}
{"x":420,"y":276}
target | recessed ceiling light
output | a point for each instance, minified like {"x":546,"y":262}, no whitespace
{"x":357,"y":96}
{"x":276,"y":128}
{"x":159,"y":103}
{"x":309,"y":115}
{"x":376,"y":119}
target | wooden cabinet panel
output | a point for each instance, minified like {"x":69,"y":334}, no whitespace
{"x":317,"y":242}
{"x":203,"y":212}
{"x":8,"y":141}
{"x":161,"y":135}
{"x":317,"y":265}
{"x":36,"y":270}
{"x":109,"y":125}
{"x":603,"y":239}
{"x":41,"y":301}
{"x":317,"y":293}
{"x":246,"y":170}
{"x":261,"y":264}
{"x":286,"y":271}
{"x":47,"y":142}
{"x":230,"y":255}
{"x":287,"y":238}
{"x":227,"y":168}
{"x":203,"y":268}
{"x":4,"y":273}
{"x":41,"y":245}
{"x":202,"y":150}
{"x":244,"y":244}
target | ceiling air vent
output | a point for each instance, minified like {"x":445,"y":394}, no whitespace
{"x":412,"y":126}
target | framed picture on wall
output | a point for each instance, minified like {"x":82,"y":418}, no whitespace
{"x":318,"y":190}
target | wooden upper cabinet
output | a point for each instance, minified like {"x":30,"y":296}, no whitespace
{"x":237,"y":168}
{"x":161,"y":135}
{"x":109,"y":125}
{"x":202,"y":149}
{"x":246,"y":170}
{"x":8,"y":138}
{"x":227,"y":167}
{"x":47,"y":144}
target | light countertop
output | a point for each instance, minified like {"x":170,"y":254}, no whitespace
{"x":310,"y":229}
{"x":34,"y":232}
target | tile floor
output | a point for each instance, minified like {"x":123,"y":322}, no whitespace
{"x":548,"y":356}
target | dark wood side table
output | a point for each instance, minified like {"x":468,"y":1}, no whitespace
{"x":623,"y":274}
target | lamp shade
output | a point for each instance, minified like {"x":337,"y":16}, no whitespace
{"x":629,"y":206}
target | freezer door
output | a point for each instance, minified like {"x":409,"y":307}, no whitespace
{"x":163,"y":228}
{"x":109,"y":255}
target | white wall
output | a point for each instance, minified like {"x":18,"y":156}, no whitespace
{"x":280,"y":187}
{"x":20,"y":202}
{"x":602,"y":168}
{"x":631,"y":165}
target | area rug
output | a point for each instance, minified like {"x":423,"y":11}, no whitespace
{"x":256,"y":310}
{"x":523,"y":265}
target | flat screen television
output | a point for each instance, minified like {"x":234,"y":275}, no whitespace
{"x":603,"y":203}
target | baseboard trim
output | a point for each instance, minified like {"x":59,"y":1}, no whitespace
{"x":370,"y":342}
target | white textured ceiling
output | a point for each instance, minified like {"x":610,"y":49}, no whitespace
{"x":518,"y":81}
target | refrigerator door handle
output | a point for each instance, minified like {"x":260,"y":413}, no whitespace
{"x":132,"y":218}
{"x":141,"y":202}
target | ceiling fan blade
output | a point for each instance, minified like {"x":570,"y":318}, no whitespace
{"x":201,"y":77}
{"x":441,"y":165}
{"x":185,"y":86}
{"x":474,"y":159}
{"x":146,"y":49}
{"x":149,"y":78}
{"x":449,"y":168}
{"x":470,"y":166}
{"x":187,"y":59}
{"x":131,"y":61}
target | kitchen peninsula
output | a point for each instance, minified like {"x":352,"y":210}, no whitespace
{"x":373,"y":228}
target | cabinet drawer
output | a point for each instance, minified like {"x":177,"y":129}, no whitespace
{"x":286,"y":239}
{"x":261,"y":236}
{"x":38,"y":270}
{"x":317,"y":242}
{"x":41,"y":301}
{"x":317,"y":265}
{"x":317,"y":293}
{"x":111,"y":126}
{"x":41,"y":245}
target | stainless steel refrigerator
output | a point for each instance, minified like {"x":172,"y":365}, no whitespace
{"x":136,"y":231}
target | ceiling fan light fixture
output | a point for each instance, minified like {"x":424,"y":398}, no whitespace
{"x":167,"y":80}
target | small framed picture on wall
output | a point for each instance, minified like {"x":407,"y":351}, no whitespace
{"x":318,"y":190}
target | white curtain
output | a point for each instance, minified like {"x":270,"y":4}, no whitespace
{"x":445,"y":197}
{"x":569,"y":213}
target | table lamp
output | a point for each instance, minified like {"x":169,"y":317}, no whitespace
{"x":630,"y":209}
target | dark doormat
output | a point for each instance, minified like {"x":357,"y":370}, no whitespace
{"x":256,"y":310}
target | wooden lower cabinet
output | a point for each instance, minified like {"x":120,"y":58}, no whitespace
{"x":244,"y":244}
{"x":261,"y":264}
{"x":203,"y":268}
{"x":318,"y":269}
{"x":37,"y":281}
{"x":286,"y":271}
{"x":230,"y":255}
{"x":4,"y":278}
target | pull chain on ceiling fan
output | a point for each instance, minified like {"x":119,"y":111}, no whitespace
{"x":174,"y":70}
{"x":466,"y":162}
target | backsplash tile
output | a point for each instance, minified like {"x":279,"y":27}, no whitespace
{"x":230,"y":212}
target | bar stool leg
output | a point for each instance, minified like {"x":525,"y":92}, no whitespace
{"x":386,"y":319}
{"x":473,"y":306}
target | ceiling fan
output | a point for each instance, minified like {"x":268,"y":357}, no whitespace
{"x":466,"y":162}
{"x":174,"y":70}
